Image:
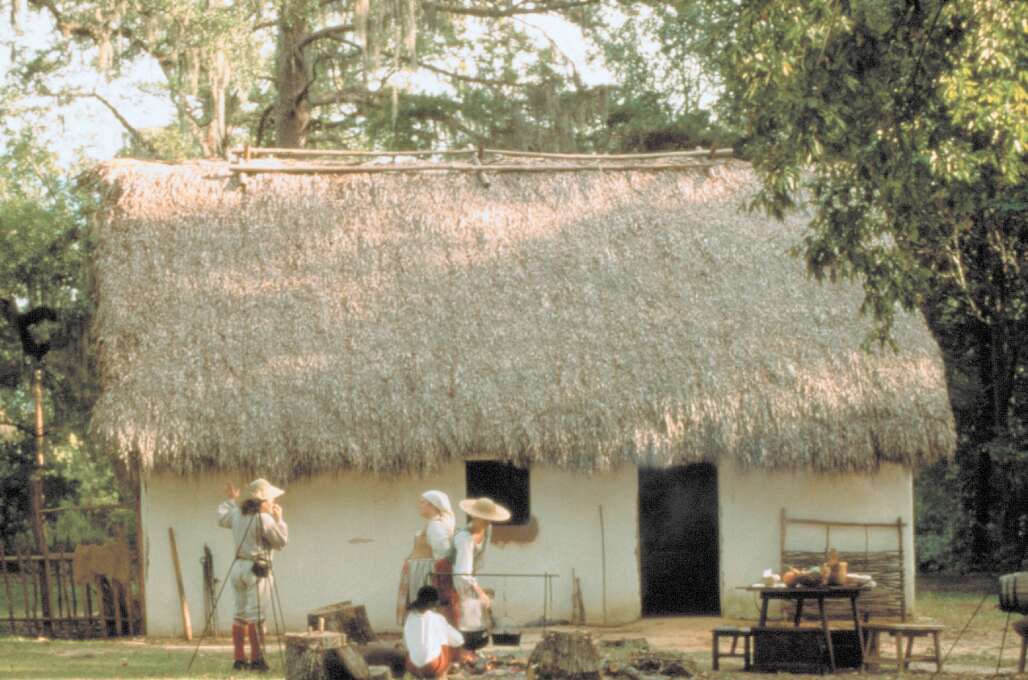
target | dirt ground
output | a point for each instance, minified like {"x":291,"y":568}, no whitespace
{"x":691,"y":636}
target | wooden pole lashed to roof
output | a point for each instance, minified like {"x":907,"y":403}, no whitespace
{"x":307,"y":169}
{"x":563,"y":162}
{"x":248,"y":153}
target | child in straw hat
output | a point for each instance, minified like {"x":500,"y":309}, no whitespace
{"x":257,"y":528}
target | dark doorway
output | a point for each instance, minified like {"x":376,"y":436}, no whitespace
{"x":678,"y":532}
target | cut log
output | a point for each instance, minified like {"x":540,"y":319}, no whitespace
{"x":346,"y":663}
{"x":344,"y":617}
{"x":384,"y":654}
{"x":306,"y":654}
{"x":570,"y":655}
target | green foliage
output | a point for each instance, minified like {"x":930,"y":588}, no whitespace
{"x":938,"y":520}
{"x":662,"y":99}
{"x":904,"y":124}
{"x":43,"y":229}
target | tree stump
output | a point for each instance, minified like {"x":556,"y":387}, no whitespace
{"x":305,"y":654}
{"x":344,"y":617}
{"x":566,"y":656}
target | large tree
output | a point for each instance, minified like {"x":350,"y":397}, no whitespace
{"x":904,"y":125}
{"x":297,"y":73}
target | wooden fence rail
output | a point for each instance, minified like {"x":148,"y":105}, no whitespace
{"x":101,"y":608}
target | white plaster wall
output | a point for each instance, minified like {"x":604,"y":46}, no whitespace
{"x":750,"y":502}
{"x":348,"y":536}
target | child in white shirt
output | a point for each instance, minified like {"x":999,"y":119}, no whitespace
{"x":432,"y":643}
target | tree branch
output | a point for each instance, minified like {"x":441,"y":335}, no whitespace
{"x":458,"y":76}
{"x":520,"y":8}
{"x":345,"y":97}
{"x":136,"y":134}
{"x":328,"y":32}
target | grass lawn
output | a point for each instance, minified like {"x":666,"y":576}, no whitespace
{"x":32,"y":658}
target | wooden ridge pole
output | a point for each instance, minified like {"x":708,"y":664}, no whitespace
{"x":308,"y":169}
{"x":187,"y":625}
{"x":38,"y":529}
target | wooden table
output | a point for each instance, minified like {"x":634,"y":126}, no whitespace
{"x":819,"y":594}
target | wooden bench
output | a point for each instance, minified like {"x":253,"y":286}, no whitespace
{"x":733,"y":632}
{"x":901,"y":632}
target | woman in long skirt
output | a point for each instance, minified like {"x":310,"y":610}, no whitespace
{"x":434,"y":542}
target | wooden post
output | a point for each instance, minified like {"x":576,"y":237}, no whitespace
{"x":60,"y":588}
{"x":603,"y":564}
{"x":116,"y":599}
{"x":781,"y":540}
{"x":38,"y":530}
{"x":89,"y":610}
{"x":187,"y":626}
{"x":903,"y":571}
{"x":141,"y":550}
{"x":101,"y":603}
{"x":74,"y":595}
{"x":7,"y":588}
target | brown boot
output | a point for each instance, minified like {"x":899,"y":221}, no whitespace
{"x":238,"y":651}
{"x":257,"y":662}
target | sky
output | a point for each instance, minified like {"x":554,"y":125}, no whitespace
{"x":86,"y":129}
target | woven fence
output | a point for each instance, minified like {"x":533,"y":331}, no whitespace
{"x":887,"y":600}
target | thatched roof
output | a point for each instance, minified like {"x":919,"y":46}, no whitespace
{"x":384,"y":322}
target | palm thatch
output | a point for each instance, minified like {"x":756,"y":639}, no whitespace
{"x":391,"y":322}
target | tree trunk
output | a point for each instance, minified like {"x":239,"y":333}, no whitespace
{"x":292,"y":114}
{"x":984,"y":431}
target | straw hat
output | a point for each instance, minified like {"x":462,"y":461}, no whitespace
{"x":485,"y":508}
{"x":263,"y":490}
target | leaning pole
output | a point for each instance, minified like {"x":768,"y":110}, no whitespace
{"x":38,"y":529}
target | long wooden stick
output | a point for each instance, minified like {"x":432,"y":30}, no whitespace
{"x":257,"y":152}
{"x":36,"y":497}
{"x":603,"y":564}
{"x":701,"y":153}
{"x":459,"y":167}
{"x":140,"y":551}
{"x":187,"y":625}
{"x":823,"y":523}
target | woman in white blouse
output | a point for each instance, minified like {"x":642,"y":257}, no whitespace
{"x":434,"y":542}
